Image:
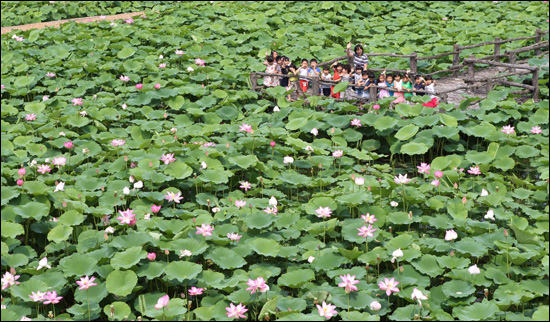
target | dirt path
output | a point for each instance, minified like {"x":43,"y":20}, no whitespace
{"x":59,"y":22}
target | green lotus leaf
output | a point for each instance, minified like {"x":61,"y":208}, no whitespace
{"x":126,"y":52}
{"x":413,"y":148}
{"x":128,"y":257}
{"x":60,"y":233}
{"x":296,"y":278}
{"x":37,"y":187}
{"x":244,"y":161}
{"x":406,"y":132}
{"x":182,"y":270}
{"x":485,"y":310}
{"x":178,"y":170}
{"x":428,"y":265}
{"x":526,"y":151}
{"x":71,"y":218}
{"x":121,"y":310}
{"x":448,"y":120}
{"x":78,"y":265}
{"x":384,"y":123}
{"x":265,"y":247}
{"x":259,"y":220}
{"x":26,"y":288}
{"x":226,"y":258}
{"x":121,"y":283}
{"x":95,"y":294}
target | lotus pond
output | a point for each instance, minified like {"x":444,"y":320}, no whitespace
{"x":176,"y":193}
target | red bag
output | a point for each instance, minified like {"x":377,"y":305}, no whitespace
{"x":432,"y":103}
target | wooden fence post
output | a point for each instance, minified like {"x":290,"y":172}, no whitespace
{"x":315,"y":85}
{"x":253,"y":81}
{"x":489,"y":85}
{"x":456,"y":58}
{"x":372,"y":94}
{"x":413,"y":63}
{"x":535,"y":83}
{"x":538,"y":37}
{"x":471,"y":69}
{"x":497,"y":49}
{"x":512,"y":60}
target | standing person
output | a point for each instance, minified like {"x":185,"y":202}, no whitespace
{"x":407,"y":85}
{"x":347,"y":77}
{"x":430,"y":86}
{"x":284,"y":71}
{"x":292,"y":80}
{"x":356,"y":77}
{"x":303,"y":71}
{"x":398,"y":84}
{"x":314,"y":71}
{"x":327,"y":77}
{"x":271,"y":81}
{"x":359,"y":57}
{"x":419,"y":85}
{"x":382,"y":92}
{"x":337,"y":71}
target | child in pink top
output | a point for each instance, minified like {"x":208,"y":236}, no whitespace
{"x":382,"y":83}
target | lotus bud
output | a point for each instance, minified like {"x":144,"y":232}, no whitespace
{"x":165,"y":115}
{"x":96,"y":171}
{"x":182,"y":295}
{"x":20,"y":182}
{"x":126,"y":158}
{"x":79,"y":196}
{"x":452,"y":252}
{"x":175,"y":137}
{"x":166,"y":251}
{"x":332,"y":131}
{"x":369,"y":188}
{"x":151,"y":164}
{"x":227,"y":145}
{"x":105,"y":236}
{"x":272,"y":144}
{"x":401,"y":269}
{"x":64,"y":204}
{"x":486,"y":292}
{"x":410,"y":215}
{"x":353,"y":177}
{"x":464,"y":200}
{"x":505,"y":232}
{"x":194,"y":219}
{"x":320,"y":166}
{"x":455,"y":185}
{"x":50,"y":314}
{"x":230,"y":199}
{"x":206,"y":153}
{"x":102,"y":188}
{"x":189,"y":304}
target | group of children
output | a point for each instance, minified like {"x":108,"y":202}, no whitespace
{"x":388,"y":85}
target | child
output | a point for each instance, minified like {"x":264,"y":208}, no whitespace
{"x":303,"y":71}
{"x":284,"y":70}
{"x":382,"y":83}
{"x":389,"y":83}
{"x":270,"y":81}
{"x":398,"y":84}
{"x":293,"y":79}
{"x":368,"y":83}
{"x":313,"y":70}
{"x":407,"y":85}
{"x":337,"y":71}
{"x":430,"y":86}
{"x":419,"y":85}
{"x":346,"y":77}
{"x":356,"y":78}
{"x":326,"y":76}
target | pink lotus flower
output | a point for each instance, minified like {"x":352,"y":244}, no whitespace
{"x":118,"y":142}
{"x":175,"y":197}
{"x":59,"y":161}
{"x":139,"y":86}
{"x":195,"y":291}
{"x":205,"y":230}
{"x":162,"y":302}
{"x":52,"y":298}
{"x":236,"y":311}
{"x":424,"y":168}
{"x":323,"y":212}
{"x":271,"y":210}
{"x":126,"y":217}
{"x":21,"y":172}
{"x":199,"y":62}
{"x":9,"y":280}
{"x":168,"y":158}
{"x":368,"y":218}
{"x":50,"y":74}
{"x":245,"y":185}
{"x":508,"y":129}
{"x":43,"y":168}
{"x":327,"y":310}
{"x":130,"y":21}
{"x":376,"y":107}
{"x":124,"y":78}
{"x":450,"y":235}
{"x":356,"y":122}
{"x":45,"y":98}
{"x":151,"y":256}
{"x":234,"y":236}
{"x":359,"y":181}
{"x":30,"y":117}
{"x":157,"y":86}
{"x":77,"y":101}
{"x":366,"y":231}
{"x":38,"y":296}
{"x":474,"y":170}
{"x":435,"y":183}
{"x":348,"y":282}
{"x":155,"y":208}
{"x":85,"y":283}
{"x":337,"y":153}
{"x":375,"y":306}
{"x":68,"y":145}
{"x":246,"y":128}
{"x":314,"y":131}
{"x":444,"y":18}
{"x":536,"y":130}
{"x":438,"y":174}
{"x":179,"y":52}
{"x":417,"y":295}
{"x":401,"y":179}
{"x":20,"y":182}
{"x":162,"y":65}
{"x":389,"y":286}
{"x":272,"y":144}
{"x":240,"y":203}
{"x":257,"y":285}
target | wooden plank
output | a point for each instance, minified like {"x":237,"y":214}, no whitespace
{"x":413,"y":63}
{"x":456,"y":58}
{"x":535,"y":82}
{"x":438,"y":55}
{"x":487,"y":62}
{"x":497,"y":50}
{"x":536,"y":46}
{"x":529,"y":87}
{"x":538,"y":37}
{"x":253,"y":81}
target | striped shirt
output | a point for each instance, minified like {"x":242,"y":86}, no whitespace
{"x":360,"y":61}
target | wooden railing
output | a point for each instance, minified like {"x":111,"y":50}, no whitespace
{"x":467,"y":63}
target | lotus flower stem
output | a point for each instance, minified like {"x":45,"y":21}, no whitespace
{"x":403,"y":192}
{"x":348,"y":307}
{"x":324,"y":231}
{"x":88,"y":297}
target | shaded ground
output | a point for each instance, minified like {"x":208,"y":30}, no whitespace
{"x":59,"y":22}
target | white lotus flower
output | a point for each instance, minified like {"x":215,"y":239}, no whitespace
{"x":394,"y":204}
{"x":490,"y":215}
{"x":398,"y":253}
{"x":185,"y":252}
{"x":138,"y":185}
{"x":417,"y":295}
{"x":474,"y":269}
{"x":190,"y":69}
{"x":43,"y":263}
{"x":273,"y":201}
{"x":215,"y":209}
{"x":204,"y":165}
{"x":276,"y":109}
{"x":60,"y":187}
{"x":314,"y":131}
{"x":109,"y":230}
{"x":484,"y":193}
{"x":287,"y":160}
{"x":310,"y":259}
{"x":126,"y":191}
